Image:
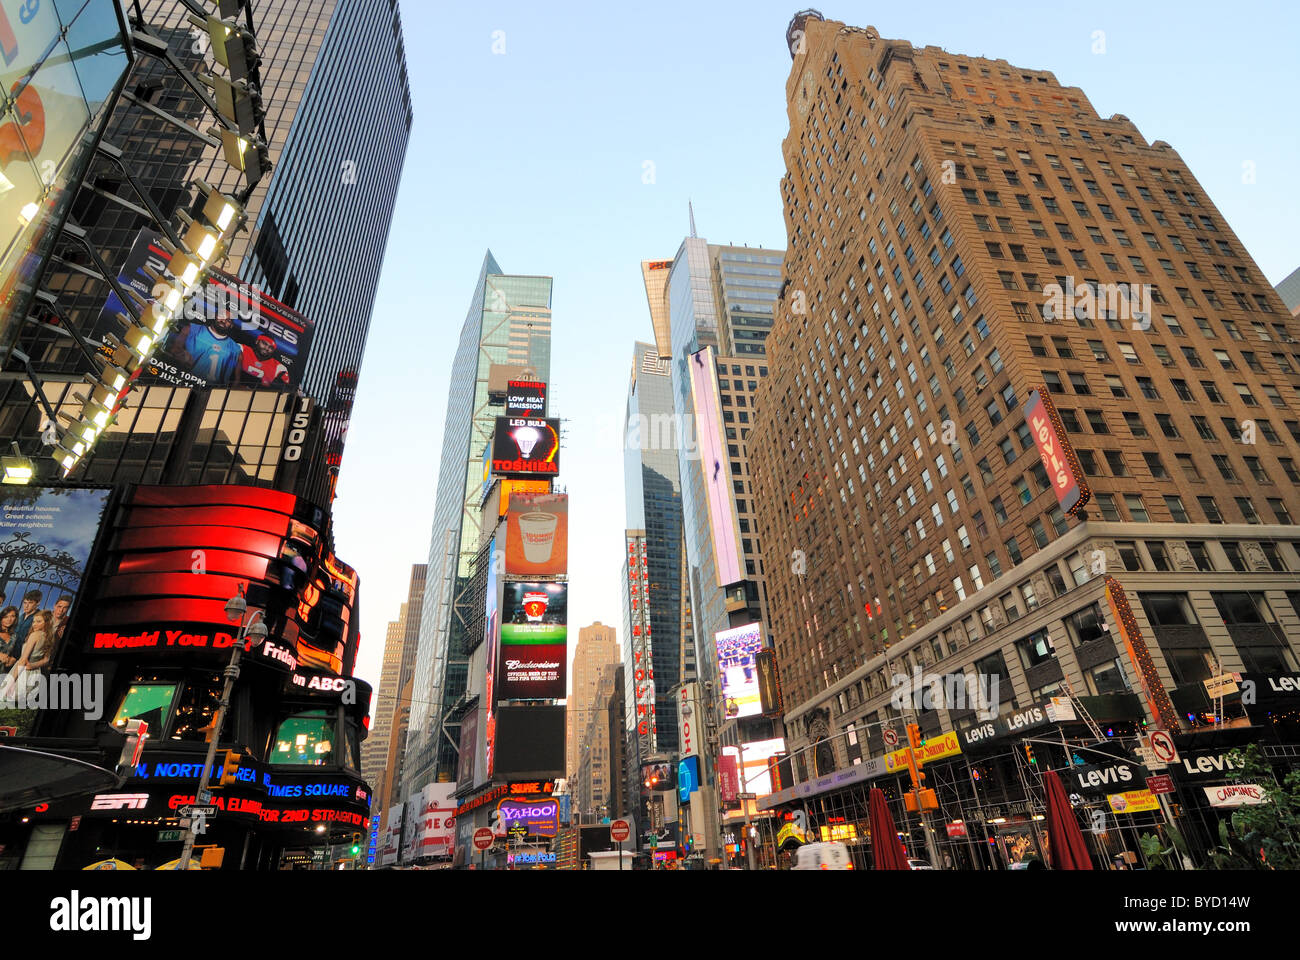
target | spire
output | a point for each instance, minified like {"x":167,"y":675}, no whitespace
{"x":691,"y":209}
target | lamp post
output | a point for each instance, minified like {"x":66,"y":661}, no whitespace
{"x":252,"y":629}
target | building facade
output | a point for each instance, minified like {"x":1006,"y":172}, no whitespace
{"x":597,"y":648}
{"x":505,"y":312}
{"x":963,"y":233}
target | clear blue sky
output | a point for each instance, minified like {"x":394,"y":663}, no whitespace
{"x":539,"y":153}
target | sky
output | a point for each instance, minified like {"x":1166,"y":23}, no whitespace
{"x":569,"y":138}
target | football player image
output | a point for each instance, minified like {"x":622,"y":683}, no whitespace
{"x":260,"y":364}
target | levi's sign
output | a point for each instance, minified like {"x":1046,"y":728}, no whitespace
{"x":1205,"y":764}
{"x":1058,"y":458}
{"x":1106,"y":778}
{"x":1035,"y":716}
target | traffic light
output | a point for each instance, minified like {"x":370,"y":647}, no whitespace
{"x":230,"y":768}
{"x":1029,"y":755}
{"x":914,"y":736}
{"x":356,"y":845}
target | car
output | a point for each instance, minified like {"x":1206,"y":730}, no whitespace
{"x":831,"y":855}
{"x":913,"y":864}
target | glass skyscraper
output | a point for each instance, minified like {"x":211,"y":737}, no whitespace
{"x":509,"y":323}
{"x":315,"y":238}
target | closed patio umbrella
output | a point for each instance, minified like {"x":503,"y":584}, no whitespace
{"x":1069,"y":851}
{"x":886,"y":849}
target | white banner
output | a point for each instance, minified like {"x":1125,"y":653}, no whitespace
{"x":1235,"y":795}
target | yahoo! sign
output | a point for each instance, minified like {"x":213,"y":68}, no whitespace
{"x":540,"y":818}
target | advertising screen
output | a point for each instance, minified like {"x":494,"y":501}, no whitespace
{"x":392,"y":837}
{"x":657,"y":777}
{"x":439,"y":820}
{"x":534,"y":612}
{"x":713,"y":461}
{"x":537,"y":535}
{"x":526,"y":447}
{"x":492,"y":655}
{"x":688,"y":778}
{"x":530,"y":742}
{"x":46,"y":536}
{"x":532,"y":671}
{"x":738,"y":650}
{"x":754,"y":775}
{"x":229,"y":333}
{"x":525,"y":398}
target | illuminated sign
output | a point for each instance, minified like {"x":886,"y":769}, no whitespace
{"x":1058,"y":457}
{"x":534,"y":612}
{"x":522,"y":859}
{"x":218,"y":640}
{"x":839,"y":831}
{"x":935,"y":748}
{"x":537,"y":535}
{"x":523,"y":447}
{"x":525,"y":398}
{"x":1162,"y":708}
{"x":120,"y":801}
{"x":659,"y":264}
{"x":769,"y":684}
{"x":713,"y":461}
{"x":643,"y":674}
{"x":738,"y":651}
{"x":753,"y":774}
{"x":688,"y":778}
{"x":532,"y":672}
{"x":538,"y":818}
{"x":687,"y":702}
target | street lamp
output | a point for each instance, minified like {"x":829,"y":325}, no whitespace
{"x":252,"y":630}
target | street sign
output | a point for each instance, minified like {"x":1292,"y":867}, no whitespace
{"x":1160,"y":784}
{"x":196,"y":811}
{"x":891,"y":737}
{"x":1150,"y":759}
{"x":619,"y":830}
{"x":169,"y":836}
{"x":205,"y":796}
{"x":483,"y":838}
{"x":1162,"y":745}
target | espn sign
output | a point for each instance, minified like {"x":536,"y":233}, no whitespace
{"x":120,"y":801}
{"x":1058,"y":456}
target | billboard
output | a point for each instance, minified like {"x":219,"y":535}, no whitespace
{"x":468,"y":748}
{"x":769,"y":684}
{"x":754,"y":775}
{"x":46,"y":537}
{"x":525,"y":398}
{"x":392,"y":837}
{"x":724,"y":526}
{"x":438,"y":820}
{"x":1058,"y":457}
{"x":412,"y":822}
{"x":525,"y":447}
{"x":534,"y":612}
{"x":530,"y":742}
{"x":532,"y":671}
{"x":738,"y":651}
{"x":492,"y":654}
{"x":532,"y":818}
{"x":537,"y":535}
{"x":657,"y":777}
{"x":688,"y":778}
{"x":638,"y":597}
{"x":229,"y":333}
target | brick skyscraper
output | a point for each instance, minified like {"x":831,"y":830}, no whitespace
{"x":931,"y":201}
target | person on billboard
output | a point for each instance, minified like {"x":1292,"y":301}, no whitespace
{"x":31,"y":599}
{"x":35,"y":657}
{"x":261,"y":366}
{"x":9,"y":646}
{"x":210,"y":351}
{"x":61,"y":607}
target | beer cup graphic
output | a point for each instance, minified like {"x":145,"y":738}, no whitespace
{"x":535,"y":603}
{"x":538,"y":532}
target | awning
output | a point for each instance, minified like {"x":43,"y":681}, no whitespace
{"x":30,"y":777}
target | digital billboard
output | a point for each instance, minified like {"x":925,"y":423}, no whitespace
{"x":754,"y":775}
{"x":46,"y":537}
{"x":534,"y":612}
{"x":657,"y":777}
{"x":723,"y":523}
{"x":526,"y":447}
{"x":530,"y":742}
{"x":537,"y":535}
{"x":688,"y":778}
{"x":525,"y":398}
{"x":228,"y":334}
{"x":532,"y":671}
{"x":492,"y":654}
{"x":738,"y":651}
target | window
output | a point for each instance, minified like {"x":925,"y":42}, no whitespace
{"x":1136,"y":509}
{"x":148,"y":701}
{"x":1168,"y":609}
{"x":1210,"y":509}
{"x":1159,"y":556}
{"x":1128,"y":555}
{"x":305,"y":738}
{"x":1200,"y":556}
{"x":1176,"y":509}
{"x":1155,"y":465}
{"x":1115,"y":461}
{"x":1036,"y":649}
{"x":1106,"y":504}
{"x":1167,"y":425}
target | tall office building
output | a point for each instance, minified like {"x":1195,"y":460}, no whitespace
{"x":652,"y":654}
{"x":597,"y":648}
{"x":314,"y":241}
{"x":505,"y":312}
{"x":598,"y":781}
{"x":374,"y":752}
{"x":959,"y":229}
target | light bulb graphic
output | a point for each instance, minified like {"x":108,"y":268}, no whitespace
{"x":526,"y":438}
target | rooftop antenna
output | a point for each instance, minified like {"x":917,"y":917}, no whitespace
{"x":691,"y":209}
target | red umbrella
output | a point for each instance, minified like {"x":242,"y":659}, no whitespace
{"x":1069,"y":852}
{"x":886,"y":849}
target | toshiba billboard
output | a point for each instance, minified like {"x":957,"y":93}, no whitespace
{"x":1058,"y":456}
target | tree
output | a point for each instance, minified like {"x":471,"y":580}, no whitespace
{"x":1270,"y":831}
